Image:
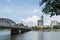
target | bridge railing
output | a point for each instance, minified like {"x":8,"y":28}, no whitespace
{"x":16,"y":27}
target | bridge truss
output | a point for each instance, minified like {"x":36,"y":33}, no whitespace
{"x":6,"y":22}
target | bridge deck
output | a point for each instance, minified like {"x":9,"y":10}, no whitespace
{"x":10,"y":27}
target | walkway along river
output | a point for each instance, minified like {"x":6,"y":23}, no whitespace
{"x":32,"y":35}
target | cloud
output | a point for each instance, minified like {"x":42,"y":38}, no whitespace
{"x":8,"y":0}
{"x":35,"y":10}
{"x":48,"y":22}
{"x":31,"y":19}
{"x":49,"y":19}
{"x":7,"y":10}
{"x":57,"y":18}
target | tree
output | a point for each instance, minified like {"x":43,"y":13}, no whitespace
{"x":52,"y":7}
{"x":56,"y":27}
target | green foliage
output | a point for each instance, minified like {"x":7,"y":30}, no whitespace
{"x":56,"y":27}
{"x":32,"y":27}
{"x":47,"y":27}
{"x":52,"y":7}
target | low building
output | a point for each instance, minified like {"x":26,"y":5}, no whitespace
{"x":54,"y":22}
{"x":39,"y":23}
{"x":58,"y":23}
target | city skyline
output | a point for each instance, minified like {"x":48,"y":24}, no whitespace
{"x":25,"y":11}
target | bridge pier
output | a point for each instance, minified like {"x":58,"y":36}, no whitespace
{"x":14,"y":31}
{"x":24,"y":30}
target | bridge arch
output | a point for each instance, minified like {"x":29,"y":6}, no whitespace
{"x":6,"y":22}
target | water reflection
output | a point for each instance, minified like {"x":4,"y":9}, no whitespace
{"x":32,"y":35}
{"x":4,"y":36}
{"x":26,"y":36}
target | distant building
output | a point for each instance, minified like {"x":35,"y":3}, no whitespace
{"x":58,"y":23}
{"x":54,"y":22}
{"x":40,"y":22}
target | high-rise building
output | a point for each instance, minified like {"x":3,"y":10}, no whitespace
{"x":40,"y":22}
{"x":42,"y":19}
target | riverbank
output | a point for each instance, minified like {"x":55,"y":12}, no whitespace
{"x":4,"y":30}
{"x":47,"y":30}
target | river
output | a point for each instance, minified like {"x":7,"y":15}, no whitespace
{"x":32,"y":35}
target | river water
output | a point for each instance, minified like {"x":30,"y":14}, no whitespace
{"x":32,"y":35}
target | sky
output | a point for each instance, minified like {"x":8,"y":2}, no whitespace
{"x":24,"y":11}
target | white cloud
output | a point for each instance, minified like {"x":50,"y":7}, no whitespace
{"x":31,"y":19}
{"x":35,"y":10}
{"x":48,"y":22}
{"x":48,"y":19}
{"x":8,"y":0}
{"x":57,"y":18}
{"x":7,"y":10}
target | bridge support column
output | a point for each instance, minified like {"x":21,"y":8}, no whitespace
{"x":24,"y":30}
{"x":14,"y":31}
